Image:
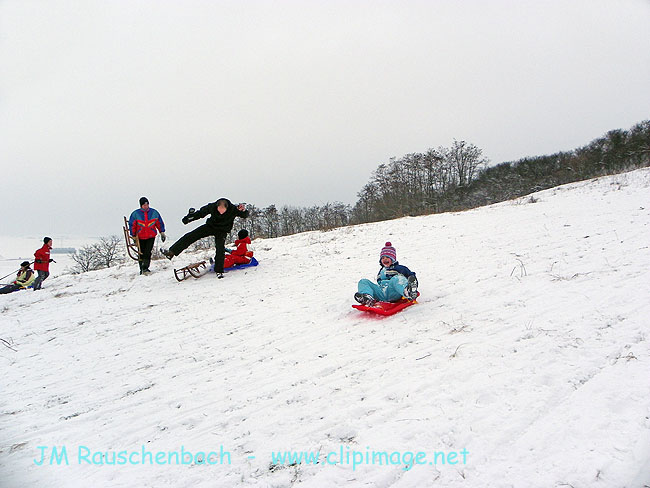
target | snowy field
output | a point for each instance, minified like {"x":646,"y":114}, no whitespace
{"x":14,"y":250}
{"x":526,"y":362}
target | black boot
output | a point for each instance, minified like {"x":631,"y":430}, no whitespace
{"x":411,"y":290}
{"x":365,"y":299}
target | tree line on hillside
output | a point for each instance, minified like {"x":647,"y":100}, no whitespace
{"x":417,"y":183}
{"x":411,"y":185}
{"x":457,"y":178}
{"x":437,"y":180}
{"x":615,"y":152}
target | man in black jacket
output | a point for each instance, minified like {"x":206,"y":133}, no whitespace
{"x":222,"y":215}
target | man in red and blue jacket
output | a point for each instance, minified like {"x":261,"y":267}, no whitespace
{"x":145,"y":223}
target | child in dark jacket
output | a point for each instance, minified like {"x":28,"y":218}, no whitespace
{"x":241,"y":255}
{"x":394,"y":281}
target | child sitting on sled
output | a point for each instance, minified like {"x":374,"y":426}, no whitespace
{"x":24,"y":278}
{"x":241,"y":255}
{"x":394,"y":281}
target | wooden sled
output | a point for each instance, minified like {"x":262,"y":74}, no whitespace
{"x":193,"y":269}
{"x":132,"y":243}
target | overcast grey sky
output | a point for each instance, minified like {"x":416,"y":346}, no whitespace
{"x":290,"y":102}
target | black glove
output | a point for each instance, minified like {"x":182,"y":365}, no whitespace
{"x":190,"y":217}
{"x":52,"y":260}
{"x":163,"y":237}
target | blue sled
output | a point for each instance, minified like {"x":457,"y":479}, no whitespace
{"x":253,"y":262}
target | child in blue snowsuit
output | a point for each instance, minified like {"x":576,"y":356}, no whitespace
{"x":394,"y":281}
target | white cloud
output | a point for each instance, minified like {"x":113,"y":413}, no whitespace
{"x":289,"y":102}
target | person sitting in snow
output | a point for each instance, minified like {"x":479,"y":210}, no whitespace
{"x":241,"y":255}
{"x":24,"y":278}
{"x":394,"y":281}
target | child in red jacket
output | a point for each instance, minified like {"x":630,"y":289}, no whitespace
{"x":241,"y":255}
{"x":42,"y":262}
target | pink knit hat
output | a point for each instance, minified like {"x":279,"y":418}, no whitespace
{"x":388,"y":251}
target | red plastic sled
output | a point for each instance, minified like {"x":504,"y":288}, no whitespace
{"x":386,"y":308}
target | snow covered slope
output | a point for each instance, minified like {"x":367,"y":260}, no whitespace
{"x":525,"y":363}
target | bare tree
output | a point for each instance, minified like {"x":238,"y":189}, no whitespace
{"x":312,"y":218}
{"x":108,"y":251}
{"x":103,"y":254}
{"x":270,"y":221}
{"x":86,"y":259}
{"x":251,"y":222}
{"x":466,"y":160}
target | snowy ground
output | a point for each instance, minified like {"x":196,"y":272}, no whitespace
{"x":528,"y":352}
{"x":14,"y":250}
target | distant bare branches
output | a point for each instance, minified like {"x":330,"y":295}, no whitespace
{"x":102,"y":254}
{"x":109,"y":251}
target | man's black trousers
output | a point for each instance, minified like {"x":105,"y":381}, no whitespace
{"x":200,"y":232}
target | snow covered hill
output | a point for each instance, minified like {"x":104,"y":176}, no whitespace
{"x":525,"y":363}
{"x":14,"y":250}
